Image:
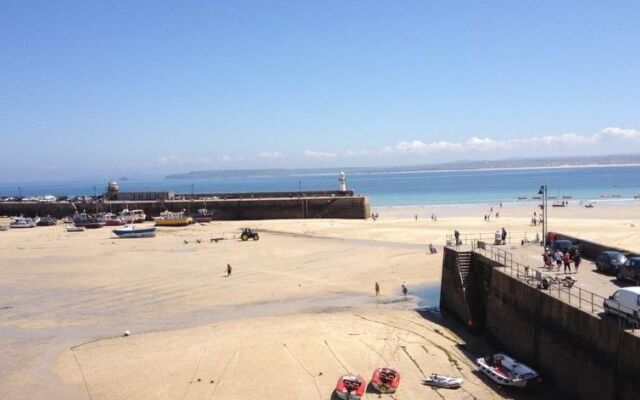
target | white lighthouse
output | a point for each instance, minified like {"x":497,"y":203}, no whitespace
{"x":343,"y":181}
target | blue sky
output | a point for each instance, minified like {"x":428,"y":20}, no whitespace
{"x":92,"y":88}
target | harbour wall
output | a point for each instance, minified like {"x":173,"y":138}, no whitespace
{"x":356,"y":207}
{"x":579,"y":354}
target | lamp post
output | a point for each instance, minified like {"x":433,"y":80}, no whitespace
{"x":543,"y":192}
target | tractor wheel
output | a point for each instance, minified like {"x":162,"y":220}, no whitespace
{"x":244,"y":237}
{"x":256,"y":237}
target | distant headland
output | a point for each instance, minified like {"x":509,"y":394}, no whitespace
{"x":464,"y":165}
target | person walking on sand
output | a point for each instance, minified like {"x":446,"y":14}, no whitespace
{"x":228,"y":269}
{"x":577,"y":257}
{"x":566,"y":259}
{"x":558,"y":257}
{"x":377,"y":289}
{"x":404,"y":289}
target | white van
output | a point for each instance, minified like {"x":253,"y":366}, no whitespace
{"x":624,"y":302}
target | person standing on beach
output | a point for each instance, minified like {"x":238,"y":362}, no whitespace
{"x":228,"y":269}
{"x":456,"y":234}
{"x":576,"y":259}
{"x":504,"y":236}
{"x":558,"y":257}
{"x":566,"y":259}
{"x":377,"y":289}
{"x":404,"y":289}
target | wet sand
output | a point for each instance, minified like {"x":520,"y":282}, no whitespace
{"x":299,"y":302}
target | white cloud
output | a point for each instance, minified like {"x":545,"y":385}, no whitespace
{"x":272,"y":155}
{"x":419,"y":147}
{"x":225,"y":158}
{"x":319,"y":154}
{"x":357,"y":152}
{"x":387,"y":150}
{"x":621,"y":133}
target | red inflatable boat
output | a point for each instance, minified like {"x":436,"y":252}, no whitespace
{"x":385,"y":380}
{"x":351,"y":387}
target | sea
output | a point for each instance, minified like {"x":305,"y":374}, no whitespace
{"x":392,"y":189}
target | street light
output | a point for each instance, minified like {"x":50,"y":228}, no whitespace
{"x":543,"y":192}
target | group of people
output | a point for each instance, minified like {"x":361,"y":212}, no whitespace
{"x":500,"y":236}
{"x":560,"y":258}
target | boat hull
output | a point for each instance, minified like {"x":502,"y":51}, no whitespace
{"x":346,"y":390}
{"x":135,"y":233}
{"x":506,"y":378}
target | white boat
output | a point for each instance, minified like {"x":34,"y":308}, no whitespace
{"x":443,"y":381}
{"x":506,"y":371}
{"x":130,"y":231}
{"x":133,"y":216}
{"x":73,"y":228}
{"x":22,"y":222}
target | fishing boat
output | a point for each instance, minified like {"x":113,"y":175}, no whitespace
{"x":138,"y":216}
{"x":130,"y":231}
{"x":22,"y":222}
{"x":47,"y":221}
{"x":88,"y":221}
{"x":506,"y":371}
{"x":350,"y":387}
{"x":589,"y":205}
{"x":202,"y":216}
{"x":385,"y":380}
{"x":522,"y":197}
{"x":443,"y":381}
{"x":111,"y":219}
{"x":73,"y":228}
{"x":169,"y":218}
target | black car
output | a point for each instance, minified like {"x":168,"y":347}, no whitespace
{"x":630,"y":271}
{"x":610,"y":261}
{"x":563,"y":245}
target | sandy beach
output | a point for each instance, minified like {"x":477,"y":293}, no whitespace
{"x":297,"y":311}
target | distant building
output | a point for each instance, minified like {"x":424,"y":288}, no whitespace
{"x":113,"y":194}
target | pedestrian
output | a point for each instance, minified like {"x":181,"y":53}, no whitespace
{"x":432,"y":249}
{"x":404,"y":289}
{"x":497,"y":238}
{"x":491,"y":210}
{"x":377,"y":289}
{"x":558,"y":257}
{"x":456,"y":234}
{"x":504,"y":236}
{"x":497,"y":215}
{"x":566,"y":259}
{"x":500,"y":204}
{"x":228,"y":269}
{"x":577,"y":257}
{"x":416,"y":217}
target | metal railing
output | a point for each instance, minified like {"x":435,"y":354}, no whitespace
{"x":571,"y":294}
{"x":467,"y":239}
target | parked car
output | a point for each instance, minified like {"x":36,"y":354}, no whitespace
{"x":564,"y":246}
{"x":624,"y":303}
{"x":610,"y":261}
{"x":630,"y":270}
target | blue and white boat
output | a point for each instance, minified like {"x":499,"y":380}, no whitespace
{"x":130,"y":231}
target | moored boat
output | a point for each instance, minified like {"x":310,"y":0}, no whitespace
{"x":506,"y":371}
{"x":111,"y":219}
{"x":522,"y":197}
{"x":73,"y":228}
{"x":47,"y":221}
{"x":202,"y":216}
{"x":385,"y":380}
{"x":350,"y":387}
{"x":22,"y":222}
{"x":169,"y":218}
{"x":87,"y":221}
{"x":130,"y":231}
{"x":443,"y":381}
{"x":138,"y":216}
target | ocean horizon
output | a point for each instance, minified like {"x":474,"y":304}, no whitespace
{"x":397,"y":189}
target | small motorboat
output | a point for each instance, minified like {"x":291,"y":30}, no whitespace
{"x":506,"y":371}
{"x":522,"y":197}
{"x":130,"y":231}
{"x":22,"y":222}
{"x":385,"y":380}
{"x":47,"y":221}
{"x":589,"y":205}
{"x":350,"y":387}
{"x":111,"y":219}
{"x":73,"y":228}
{"x":202,"y":216}
{"x":443,"y":381}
